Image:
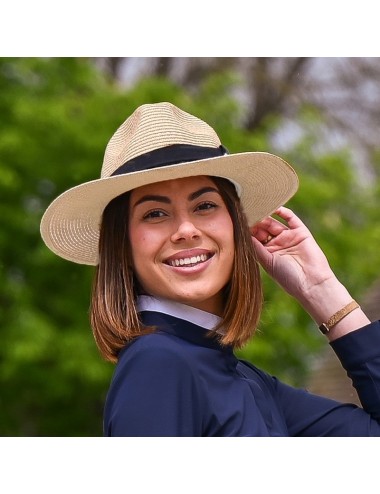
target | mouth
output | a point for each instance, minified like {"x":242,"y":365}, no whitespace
{"x":189,"y":262}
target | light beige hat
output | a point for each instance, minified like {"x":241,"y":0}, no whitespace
{"x":161,"y":142}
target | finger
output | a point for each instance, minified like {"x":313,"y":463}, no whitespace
{"x":275,"y":227}
{"x":263,"y":256}
{"x":289,"y":216}
{"x":270,"y":225}
{"x":268,"y":229}
{"x":262,"y":235}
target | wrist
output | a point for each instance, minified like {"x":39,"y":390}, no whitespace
{"x":328,"y":298}
{"x":323,"y":300}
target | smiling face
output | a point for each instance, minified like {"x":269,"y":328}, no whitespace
{"x":182,"y":241}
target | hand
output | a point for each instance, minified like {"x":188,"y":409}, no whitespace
{"x":289,"y":254}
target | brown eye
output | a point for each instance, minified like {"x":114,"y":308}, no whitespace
{"x":155,"y":213}
{"x":204,"y":206}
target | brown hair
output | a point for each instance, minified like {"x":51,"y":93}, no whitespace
{"x":113,"y":314}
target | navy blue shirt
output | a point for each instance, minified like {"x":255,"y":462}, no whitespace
{"x":179,"y":381}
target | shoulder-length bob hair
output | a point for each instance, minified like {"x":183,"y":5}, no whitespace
{"x":113,"y":314}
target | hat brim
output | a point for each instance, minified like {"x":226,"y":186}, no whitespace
{"x":70,"y":226}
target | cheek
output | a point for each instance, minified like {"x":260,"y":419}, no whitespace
{"x":138,"y":240}
{"x":144,"y":244}
{"x":137,"y":233}
{"x":225,"y":232}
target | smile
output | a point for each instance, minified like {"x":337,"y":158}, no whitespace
{"x":189,"y":261}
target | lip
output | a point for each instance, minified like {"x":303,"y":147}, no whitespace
{"x":189,"y":261}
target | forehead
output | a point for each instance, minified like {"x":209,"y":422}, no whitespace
{"x":182,"y":185}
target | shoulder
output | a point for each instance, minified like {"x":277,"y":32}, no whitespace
{"x":159,"y":351}
{"x":157,"y":342}
{"x":155,"y":390}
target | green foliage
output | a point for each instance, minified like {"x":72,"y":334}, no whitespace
{"x":56,"y":118}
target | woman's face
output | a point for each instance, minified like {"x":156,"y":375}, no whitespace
{"x":182,"y":241}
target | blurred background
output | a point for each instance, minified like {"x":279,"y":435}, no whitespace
{"x":56,"y":117}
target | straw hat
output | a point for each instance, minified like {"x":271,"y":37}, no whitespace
{"x":161,"y":142}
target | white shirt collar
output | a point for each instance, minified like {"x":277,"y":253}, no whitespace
{"x":191,"y":314}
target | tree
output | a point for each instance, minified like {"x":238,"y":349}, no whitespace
{"x":55,"y":115}
{"x":344,"y":90}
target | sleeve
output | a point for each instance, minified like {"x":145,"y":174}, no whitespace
{"x":310,"y":415}
{"x":155,"y":392}
{"x":359,"y":353}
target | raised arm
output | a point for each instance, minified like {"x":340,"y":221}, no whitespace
{"x":291,"y":256}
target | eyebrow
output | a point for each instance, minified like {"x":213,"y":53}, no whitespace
{"x":204,"y":190}
{"x":166,"y":200}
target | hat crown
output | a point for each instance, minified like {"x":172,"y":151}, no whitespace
{"x":155,"y":126}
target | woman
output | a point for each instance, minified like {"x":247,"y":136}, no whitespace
{"x":176,"y":227}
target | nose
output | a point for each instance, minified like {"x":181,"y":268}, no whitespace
{"x":186,"y":231}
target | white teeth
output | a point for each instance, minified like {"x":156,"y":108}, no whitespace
{"x":189,"y":260}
